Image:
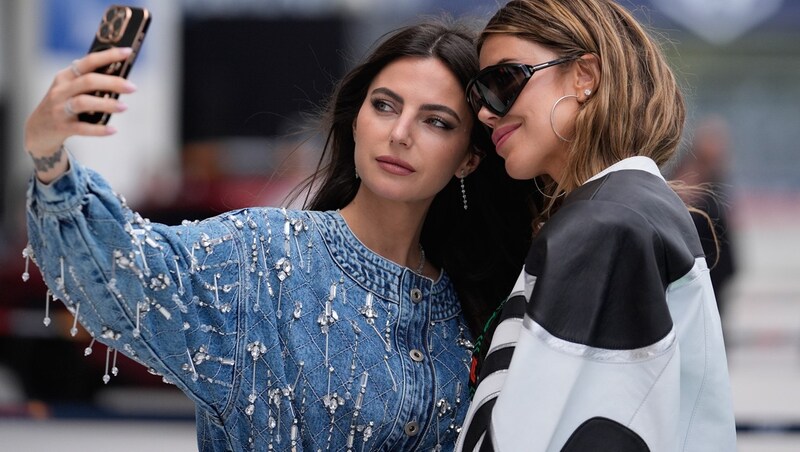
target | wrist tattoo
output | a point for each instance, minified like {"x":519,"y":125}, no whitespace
{"x":43,"y":164}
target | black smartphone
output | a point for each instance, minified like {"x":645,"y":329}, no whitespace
{"x":121,"y":26}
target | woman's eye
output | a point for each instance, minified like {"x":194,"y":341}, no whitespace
{"x":382,"y":105}
{"x":439,"y":122}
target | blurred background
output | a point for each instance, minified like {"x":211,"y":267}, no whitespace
{"x":223,"y":117}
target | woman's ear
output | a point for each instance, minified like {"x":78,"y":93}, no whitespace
{"x":470,"y":164}
{"x":587,"y":76}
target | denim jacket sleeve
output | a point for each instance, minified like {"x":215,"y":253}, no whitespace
{"x":166,"y":296}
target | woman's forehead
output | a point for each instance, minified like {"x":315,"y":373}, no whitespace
{"x":503,"y":48}
{"x":426,"y":79}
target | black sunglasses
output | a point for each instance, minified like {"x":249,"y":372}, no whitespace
{"x":498,"y":86}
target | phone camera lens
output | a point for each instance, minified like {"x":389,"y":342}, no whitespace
{"x":105,"y":32}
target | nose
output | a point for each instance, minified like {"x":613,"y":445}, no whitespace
{"x":401,"y":132}
{"x":487,"y":117}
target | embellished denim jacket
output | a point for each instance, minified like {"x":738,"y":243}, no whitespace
{"x":282,"y":327}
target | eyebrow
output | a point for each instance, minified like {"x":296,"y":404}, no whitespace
{"x":424,"y":107}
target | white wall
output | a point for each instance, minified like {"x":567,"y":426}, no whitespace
{"x":148,"y":136}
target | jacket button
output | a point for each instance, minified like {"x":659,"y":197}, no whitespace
{"x":416,"y":355}
{"x":416,"y":295}
{"x":412,"y":428}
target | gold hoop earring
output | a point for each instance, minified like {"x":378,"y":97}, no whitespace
{"x":536,"y":184}
{"x":553,"y":113}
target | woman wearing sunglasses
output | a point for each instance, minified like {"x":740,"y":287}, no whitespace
{"x":611,"y":339}
{"x":334,"y":328}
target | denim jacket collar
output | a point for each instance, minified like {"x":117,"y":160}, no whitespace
{"x":373,"y":271}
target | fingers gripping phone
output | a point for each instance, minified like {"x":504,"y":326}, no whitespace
{"x":121,"y":26}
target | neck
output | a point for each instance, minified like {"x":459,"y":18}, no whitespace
{"x":390,"y":229}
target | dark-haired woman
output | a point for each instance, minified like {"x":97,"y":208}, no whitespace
{"x":334,"y":328}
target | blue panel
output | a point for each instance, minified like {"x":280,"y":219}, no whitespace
{"x":69,"y":25}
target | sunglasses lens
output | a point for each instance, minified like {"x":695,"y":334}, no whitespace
{"x":498,"y":88}
{"x":474,"y":96}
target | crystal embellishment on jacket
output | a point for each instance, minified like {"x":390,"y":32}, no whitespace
{"x":286,"y":332}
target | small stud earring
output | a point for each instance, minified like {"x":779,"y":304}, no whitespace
{"x":588,"y":92}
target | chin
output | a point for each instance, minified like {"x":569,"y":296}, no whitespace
{"x":387,"y":192}
{"x":516,"y":172}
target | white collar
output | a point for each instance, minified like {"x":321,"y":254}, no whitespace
{"x":638,"y":162}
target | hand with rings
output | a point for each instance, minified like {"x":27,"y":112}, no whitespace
{"x":68,"y":108}
{"x":74,"y":68}
{"x":56,"y":117}
{"x":68,"y":104}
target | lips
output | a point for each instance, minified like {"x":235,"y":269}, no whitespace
{"x":395,"y":166}
{"x":501,"y":135}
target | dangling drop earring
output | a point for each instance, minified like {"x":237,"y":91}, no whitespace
{"x":463,"y":189}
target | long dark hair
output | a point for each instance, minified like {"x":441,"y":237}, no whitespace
{"x":483,"y":248}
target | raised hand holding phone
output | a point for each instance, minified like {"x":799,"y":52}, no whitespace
{"x":83,"y":95}
{"x":121,"y":26}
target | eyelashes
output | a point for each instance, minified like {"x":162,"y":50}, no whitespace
{"x":437,"y":121}
{"x":382,"y":105}
{"x":385,"y":106}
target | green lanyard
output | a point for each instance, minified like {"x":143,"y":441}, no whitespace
{"x":474,"y":367}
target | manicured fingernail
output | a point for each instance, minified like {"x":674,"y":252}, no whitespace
{"x":129,"y":87}
{"x":126,"y":50}
{"x":110,"y":130}
{"x":121,"y":106}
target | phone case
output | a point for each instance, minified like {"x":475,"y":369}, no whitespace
{"x":121,"y":26}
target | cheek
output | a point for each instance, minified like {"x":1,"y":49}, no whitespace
{"x":360,"y":124}
{"x":518,"y":164}
{"x":458,"y":153}
{"x":449,"y":156}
